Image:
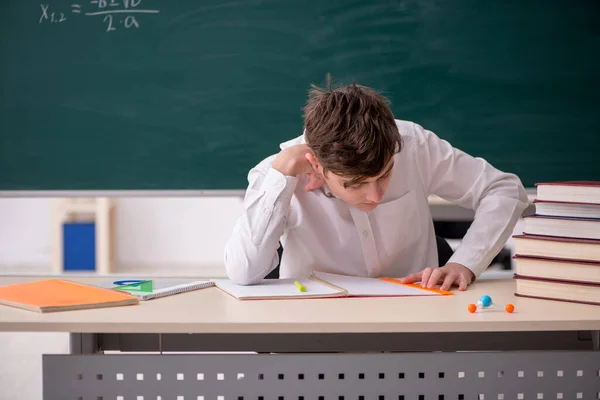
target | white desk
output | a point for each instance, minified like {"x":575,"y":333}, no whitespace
{"x":403,"y":347}
{"x":212,"y":311}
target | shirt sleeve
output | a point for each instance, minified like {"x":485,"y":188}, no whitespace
{"x":498,"y":198}
{"x":251,"y":251}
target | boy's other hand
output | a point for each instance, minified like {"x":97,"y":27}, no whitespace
{"x":293,"y":161}
{"x":448,"y":275}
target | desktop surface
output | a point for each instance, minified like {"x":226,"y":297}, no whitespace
{"x":213,"y":311}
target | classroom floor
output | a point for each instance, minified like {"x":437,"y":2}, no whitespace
{"x":21,"y":355}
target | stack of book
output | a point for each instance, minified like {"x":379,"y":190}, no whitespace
{"x":558,"y":256}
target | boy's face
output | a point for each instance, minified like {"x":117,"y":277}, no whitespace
{"x":365,"y":195}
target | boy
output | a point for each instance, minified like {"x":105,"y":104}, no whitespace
{"x":349,"y":196}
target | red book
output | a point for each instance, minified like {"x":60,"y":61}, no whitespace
{"x":557,"y":247}
{"x":583,"y":228}
{"x":566,"y":209}
{"x":569,"y":191}
{"x":558,"y":290}
{"x":560,"y":269}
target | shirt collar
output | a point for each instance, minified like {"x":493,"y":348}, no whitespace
{"x":297,"y":140}
{"x":325,"y":189}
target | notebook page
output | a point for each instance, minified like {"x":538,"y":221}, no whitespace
{"x":360,"y":286}
{"x":276,"y":288}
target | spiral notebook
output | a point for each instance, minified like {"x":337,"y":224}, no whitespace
{"x":148,"y":289}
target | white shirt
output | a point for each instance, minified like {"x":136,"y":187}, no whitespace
{"x":319,"y":232}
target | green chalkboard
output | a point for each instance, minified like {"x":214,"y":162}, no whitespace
{"x":190,"y":94}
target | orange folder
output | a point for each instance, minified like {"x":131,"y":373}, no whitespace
{"x":52,"y":295}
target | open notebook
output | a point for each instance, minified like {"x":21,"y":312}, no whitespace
{"x":321,"y":285}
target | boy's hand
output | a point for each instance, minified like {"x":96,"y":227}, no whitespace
{"x":448,"y":275}
{"x":293,"y":161}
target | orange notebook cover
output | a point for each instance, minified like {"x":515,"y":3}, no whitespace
{"x":52,"y":295}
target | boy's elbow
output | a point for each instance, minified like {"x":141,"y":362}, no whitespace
{"x":239,"y":271}
{"x":521,"y":192}
{"x":523,"y":196}
{"x":511,"y":186}
{"x":518,"y":193}
{"x":243,"y":279}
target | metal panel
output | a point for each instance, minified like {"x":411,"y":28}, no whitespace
{"x":379,"y":376}
{"x":83,"y":343}
{"x":348,"y":342}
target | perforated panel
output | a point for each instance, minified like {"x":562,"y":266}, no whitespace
{"x":385,"y":376}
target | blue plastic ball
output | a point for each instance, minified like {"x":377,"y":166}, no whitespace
{"x":486,"y":300}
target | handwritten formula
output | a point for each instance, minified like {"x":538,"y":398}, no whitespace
{"x":114,"y":13}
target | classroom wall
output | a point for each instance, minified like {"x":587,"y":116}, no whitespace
{"x":24,"y":232}
{"x":179,"y":234}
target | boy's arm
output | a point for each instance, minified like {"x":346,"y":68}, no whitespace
{"x":498,"y":198}
{"x":251,"y":251}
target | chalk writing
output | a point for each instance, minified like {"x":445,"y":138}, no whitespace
{"x":114,"y":13}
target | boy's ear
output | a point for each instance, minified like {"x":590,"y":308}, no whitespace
{"x":313,"y":161}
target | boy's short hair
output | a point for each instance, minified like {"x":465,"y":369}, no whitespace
{"x":351,"y":130}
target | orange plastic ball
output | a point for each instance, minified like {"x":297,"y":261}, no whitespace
{"x":510,"y":308}
{"x":472,"y":308}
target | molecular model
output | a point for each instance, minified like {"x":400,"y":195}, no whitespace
{"x":486,"y":301}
